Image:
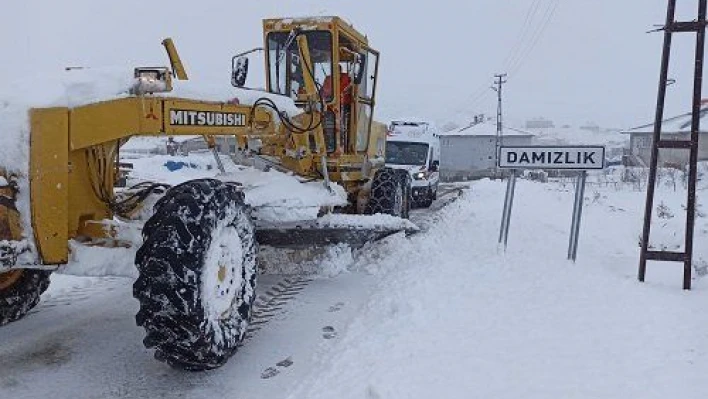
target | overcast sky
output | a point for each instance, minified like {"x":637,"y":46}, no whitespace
{"x":592,"y":60}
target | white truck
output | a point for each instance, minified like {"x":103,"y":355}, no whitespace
{"x":414,"y":145}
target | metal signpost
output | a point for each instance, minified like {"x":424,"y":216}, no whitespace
{"x":508,"y":202}
{"x":575,"y":158}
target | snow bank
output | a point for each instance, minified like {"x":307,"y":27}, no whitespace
{"x":151,"y":144}
{"x":77,"y":87}
{"x":622,"y":188}
{"x":226,"y":92}
{"x":319,"y":263}
{"x":71,"y":88}
{"x":14,"y":159}
{"x":452,"y":317}
{"x":276,"y":196}
{"x":372,"y":222}
{"x":100,"y":262}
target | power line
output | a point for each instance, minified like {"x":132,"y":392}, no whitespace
{"x":531,"y":32}
{"x":481,"y":91}
{"x":525,"y":29}
{"x":550,"y":12}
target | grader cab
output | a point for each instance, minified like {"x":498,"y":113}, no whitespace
{"x":197,"y":260}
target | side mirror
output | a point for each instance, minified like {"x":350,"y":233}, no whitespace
{"x":239,"y":71}
{"x":359,"y":69}
{"x":435,"y":166}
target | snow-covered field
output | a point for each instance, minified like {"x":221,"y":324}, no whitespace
{"x":455,"y":318}
{"x":443,"y":313}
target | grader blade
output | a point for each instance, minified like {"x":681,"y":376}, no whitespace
{"x":302,"y":235}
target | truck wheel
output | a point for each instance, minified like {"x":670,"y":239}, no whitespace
{"x":390,"y":193}
{"x":197,"y":274}
{"x":428,"y":200}
{"x":407,"y":182}
{"x":20,"y":291}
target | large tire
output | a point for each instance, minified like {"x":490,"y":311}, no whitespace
{"x":19,"y":292}
{"x":390,"y":193}
{"x":197,"y":276}
{"x":427,"y":202}
{"x":407,"y":182}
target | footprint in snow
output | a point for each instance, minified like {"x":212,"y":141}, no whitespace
{"x":329,"y":332}
{"x":270,"y":372}
{"x":336,"y":307}
{"x":285,"y":363}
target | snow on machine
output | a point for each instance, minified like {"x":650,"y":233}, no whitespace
{"x":414,"y":145}
{"x":197,"y":241}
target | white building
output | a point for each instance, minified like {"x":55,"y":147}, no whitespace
{"x":470,"y":153}
{"x":676,"y":128}
{"x":540,"y":123}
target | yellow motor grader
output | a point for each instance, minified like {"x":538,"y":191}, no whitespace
{"x":198,"y":260}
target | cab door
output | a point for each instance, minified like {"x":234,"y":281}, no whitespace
{"x":366,"y":97}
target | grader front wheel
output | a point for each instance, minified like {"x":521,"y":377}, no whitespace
{"x":19,"y":292}
{"x":197,"y":275}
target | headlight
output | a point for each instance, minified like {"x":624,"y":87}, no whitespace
{"x":151,"y":80}
{"x":419,"y":176}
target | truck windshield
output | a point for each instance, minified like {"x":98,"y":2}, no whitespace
{"x":285,"y":72}
{"x":406,"y":153}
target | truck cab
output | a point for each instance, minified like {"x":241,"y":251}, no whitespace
{"x":414,"y":145}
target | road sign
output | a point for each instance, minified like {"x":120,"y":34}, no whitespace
{"x":552,"y":157}
{"x":579,"y":158}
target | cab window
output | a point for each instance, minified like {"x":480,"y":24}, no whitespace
{"x":284,"y":67}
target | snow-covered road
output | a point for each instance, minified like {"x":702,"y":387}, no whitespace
{"x":82,"y":342}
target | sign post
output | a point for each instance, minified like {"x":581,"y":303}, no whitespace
{"x":577,"y":214}
{"x":506,"y":215}
{"x":580,"y":158}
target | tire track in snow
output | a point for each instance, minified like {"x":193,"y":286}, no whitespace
{"x":273,"y":301}
{"x":426,"y":217}
{"x":81,"y":290}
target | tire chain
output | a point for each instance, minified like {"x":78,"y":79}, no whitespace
{"x":383,"y":191}
{"x":19,"y":299}
{"x":170,"y":308}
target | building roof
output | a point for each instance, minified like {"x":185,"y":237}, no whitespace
{"x":485,"y":129}
{"x":676,"y":124}
{"x":579,"y":136}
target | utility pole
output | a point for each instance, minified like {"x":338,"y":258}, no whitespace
{"x":500,"y":80}
{"x":690,"y":145}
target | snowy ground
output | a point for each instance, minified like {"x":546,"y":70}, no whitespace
{"x":455,"y":318}
{"x":443,"y":313}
